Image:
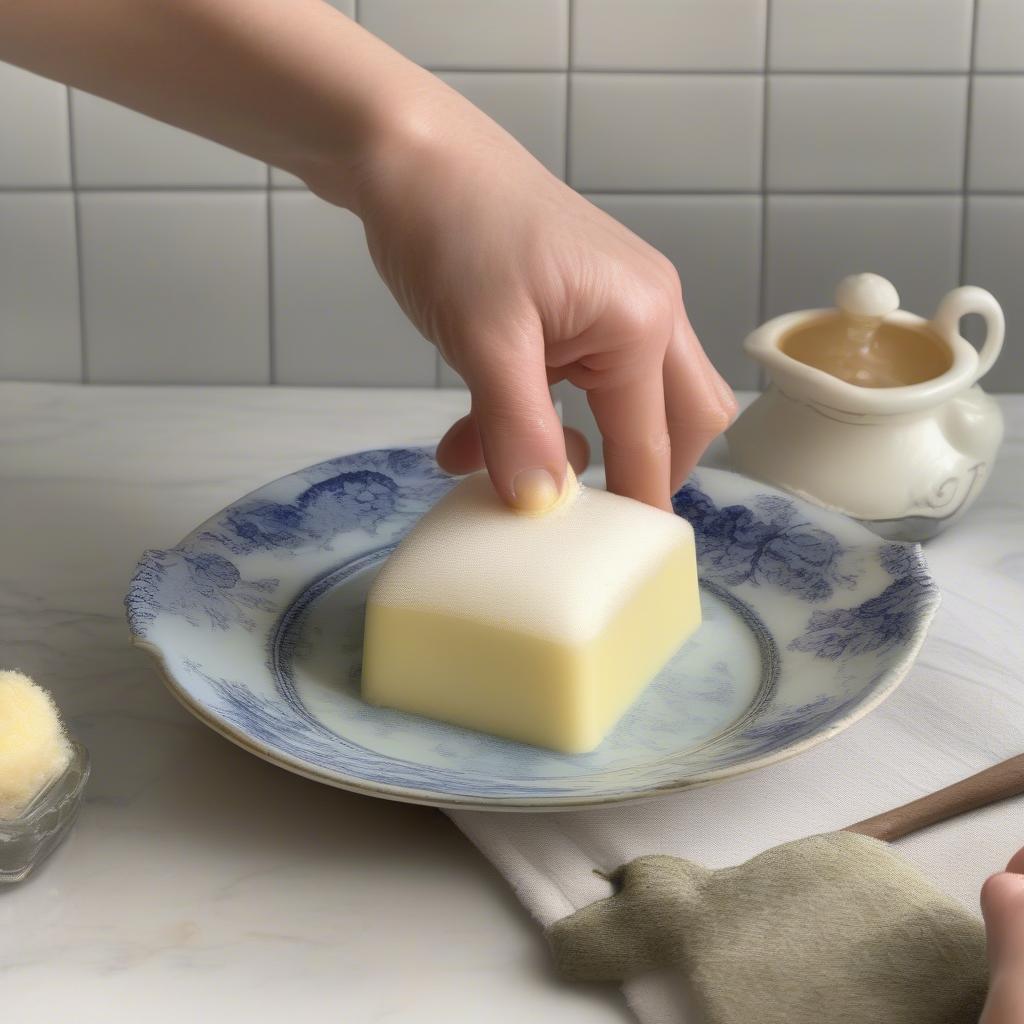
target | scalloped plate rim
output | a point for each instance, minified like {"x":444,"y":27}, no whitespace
{"x":886,"y":683}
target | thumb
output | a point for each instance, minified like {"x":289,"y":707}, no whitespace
{"x":520,"y":433}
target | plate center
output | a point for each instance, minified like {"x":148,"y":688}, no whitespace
{"x":711,"y":684}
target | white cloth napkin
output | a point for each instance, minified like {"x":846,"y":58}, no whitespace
{"x":960,"y":710}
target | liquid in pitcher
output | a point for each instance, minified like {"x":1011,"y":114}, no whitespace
{"x":875,"y":355}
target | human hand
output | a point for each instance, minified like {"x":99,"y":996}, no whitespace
{"x":520,"y":282}
{"x":1002,"y":903}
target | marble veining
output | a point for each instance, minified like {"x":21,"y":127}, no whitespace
{"x":202,"y":883}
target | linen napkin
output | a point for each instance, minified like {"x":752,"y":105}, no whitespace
{"x":957,"y":713}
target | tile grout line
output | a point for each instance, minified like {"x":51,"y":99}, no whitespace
{"x":79,"y":263}
{"x":762,"y":288}
{"x":879,"y":193}
{"x":570,"y":56}
{"x":968,"y":122}
{"x":356,"y":12}
{"x":570,"y":59}
{"x":479,"y":69}
{"x":108,"y":189}
{"x":271,"y":323}
{"x":438,"y":361}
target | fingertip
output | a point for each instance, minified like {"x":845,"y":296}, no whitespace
{"x":680,"y":472}
{"x":522,"y":445}
{"x":535,"y":490}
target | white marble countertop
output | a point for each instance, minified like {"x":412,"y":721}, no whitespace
{"x":203,"y":884}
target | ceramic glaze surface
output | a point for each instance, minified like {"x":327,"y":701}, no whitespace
{"x":878,"y":416}
{"x":256,"y":618}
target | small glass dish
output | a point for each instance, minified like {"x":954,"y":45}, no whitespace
{"x":26,"y":841}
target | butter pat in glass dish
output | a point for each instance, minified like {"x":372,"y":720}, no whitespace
{"x":42,"y":776}
{"x":542,"y":628}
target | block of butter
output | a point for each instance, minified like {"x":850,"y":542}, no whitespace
{"x":541,"y":628}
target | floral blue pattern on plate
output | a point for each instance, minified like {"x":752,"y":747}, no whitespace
{"x":810,"y":620}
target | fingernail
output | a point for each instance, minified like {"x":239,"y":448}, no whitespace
{"x":534,"y":490}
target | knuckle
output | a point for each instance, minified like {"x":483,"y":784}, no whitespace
{"x":720,"y":418}
{"x":707,"y":422}
{"x":670,"y":275}
{"x":647,"y":316}
{"x":650,"y":446}
{"x":728,"y":408}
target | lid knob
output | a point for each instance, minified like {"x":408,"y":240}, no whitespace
{"x":867,"y":297}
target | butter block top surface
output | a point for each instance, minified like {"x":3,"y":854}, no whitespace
{"x":560,"y":575}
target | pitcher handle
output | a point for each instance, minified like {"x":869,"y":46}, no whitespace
{"x":969,"y":299}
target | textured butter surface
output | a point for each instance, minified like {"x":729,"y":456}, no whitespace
{"x":34,"y":749}
{"x":560,"y":575}
{"x":539,"y":629}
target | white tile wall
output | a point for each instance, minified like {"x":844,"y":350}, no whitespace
{"x":1000,"y":31}
{"x":473,"y":33}
{"x":995,"y":242}
{"x":669,"y":35}
{"x":857,"y":119}
{"x":117,"y":147}
{"x":665,"y":132}
{"x":34,"y":151}
{"x":39,"y":328}
{"x":334,"y":321}
{"x":997,"y":134}
{"x":871,"y":35}
{"x":814,"y":241}
{"x":866,"y":133}
{"x":153,"y":316}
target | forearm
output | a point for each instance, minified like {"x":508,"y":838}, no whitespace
{"x":291,"y":82}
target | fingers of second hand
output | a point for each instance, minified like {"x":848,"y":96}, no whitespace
{"x":637,"y":450}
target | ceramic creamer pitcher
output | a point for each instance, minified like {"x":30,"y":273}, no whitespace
{"x":873,"y":411}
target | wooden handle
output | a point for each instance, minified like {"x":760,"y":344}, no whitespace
{"x":996,"y":783}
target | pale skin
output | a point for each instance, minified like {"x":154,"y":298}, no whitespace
{"x":518,"y":280}
{"x":1002,"y":902}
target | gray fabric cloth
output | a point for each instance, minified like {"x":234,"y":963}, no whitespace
{"x":833,"y":929}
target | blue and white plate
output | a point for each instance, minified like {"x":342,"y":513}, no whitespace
{"x":256,"y":619}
